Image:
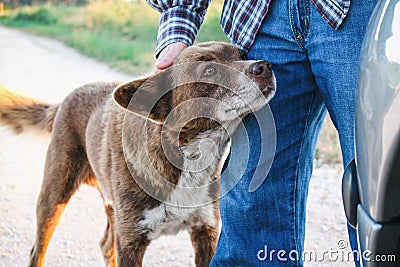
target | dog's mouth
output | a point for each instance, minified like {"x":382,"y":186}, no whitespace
{"x":268,"y":90}
{"x":245,"y":106}
{"x":267,"y":86}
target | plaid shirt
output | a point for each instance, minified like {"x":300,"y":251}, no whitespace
{"x":240,"y":20}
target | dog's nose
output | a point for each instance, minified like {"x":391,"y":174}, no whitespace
{"x":262,"y":68}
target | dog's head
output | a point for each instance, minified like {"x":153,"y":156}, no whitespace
{"x":208,"y":83}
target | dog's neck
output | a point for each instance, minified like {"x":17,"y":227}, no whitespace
{"x":194,"y":152}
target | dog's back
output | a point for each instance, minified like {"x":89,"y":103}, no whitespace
{"x":22,"y":113}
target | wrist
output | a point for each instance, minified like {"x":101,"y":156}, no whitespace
{"x":177,"y":24}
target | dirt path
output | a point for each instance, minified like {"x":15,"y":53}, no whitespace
{"x":48,"y":70}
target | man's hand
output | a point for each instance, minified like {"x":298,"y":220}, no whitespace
{"x":168,"y":54}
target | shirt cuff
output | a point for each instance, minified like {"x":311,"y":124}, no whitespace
{"x":178,"y":24}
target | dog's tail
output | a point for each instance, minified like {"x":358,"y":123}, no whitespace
{"x":20,"y":112}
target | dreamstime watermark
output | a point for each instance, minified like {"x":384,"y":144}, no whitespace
{"x":342,"y":253}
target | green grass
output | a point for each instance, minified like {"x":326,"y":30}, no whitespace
{"x":123,"y":34}
{"x":41,"y":15}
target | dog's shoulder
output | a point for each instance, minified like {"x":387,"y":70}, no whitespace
{"x":90,"y":95}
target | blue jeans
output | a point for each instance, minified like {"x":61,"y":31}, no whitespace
{"x":316,"y":69}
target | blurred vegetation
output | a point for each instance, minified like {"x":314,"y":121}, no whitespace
{"x":328,"y":146}
{"x":39,"y":15}
{"x":19,"y":3}
{"x":119,"y":33}
{"x":122,"y":34}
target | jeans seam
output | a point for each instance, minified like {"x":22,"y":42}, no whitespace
{"x":296,"y":226}
{"x":307,"y":18}
{"x":297,"y":36}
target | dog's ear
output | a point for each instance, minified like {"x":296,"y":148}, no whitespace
{"x":149,"y":97}
{"x":124,"y":92}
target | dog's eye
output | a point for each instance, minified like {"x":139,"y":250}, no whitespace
{"x":209,"y":71}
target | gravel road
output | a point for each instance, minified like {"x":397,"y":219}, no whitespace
{"x":48,"y":70}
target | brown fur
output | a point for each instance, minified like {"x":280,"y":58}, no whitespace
{"x":96,"y":141}
{"x":19,"y":111}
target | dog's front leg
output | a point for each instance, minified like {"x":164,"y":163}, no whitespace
{"x":130,"y":252}
{"x":131,"y":241}
{"x":204,"y":239}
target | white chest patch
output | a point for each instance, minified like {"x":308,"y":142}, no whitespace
{"x":186,"y":209}
{"x":190,"y":203}
{"x":169,"y":220}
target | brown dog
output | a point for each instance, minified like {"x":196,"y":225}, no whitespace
{"x":153,"y":147}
